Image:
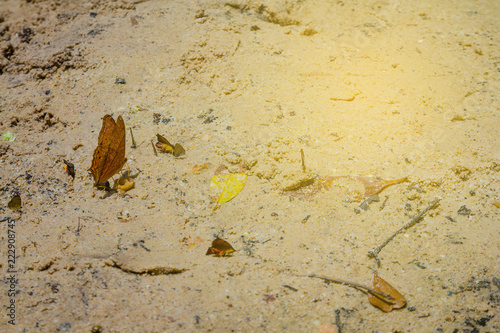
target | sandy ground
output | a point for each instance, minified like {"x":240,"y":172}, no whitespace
{"x":387,"y":89}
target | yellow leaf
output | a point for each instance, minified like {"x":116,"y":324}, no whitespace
{"x":224,"y":187}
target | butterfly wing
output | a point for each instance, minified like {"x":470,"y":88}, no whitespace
{"x":162,"y":140}
{"x":115,"y":156}
{"x":15,"y":202}
{"x":100,"y":153}
{"x":163,"y":144}
{"x":220,"y":248}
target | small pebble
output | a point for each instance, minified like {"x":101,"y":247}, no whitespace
{"x":464,"y":211}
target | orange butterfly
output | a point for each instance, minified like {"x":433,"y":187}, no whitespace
{"x":167,"y":147}
{"x":109,"y":156}
{"x":164,"y":145}
{"x":220,"y":248}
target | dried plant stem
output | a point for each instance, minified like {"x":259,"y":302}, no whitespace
{"x":303,"y":160}
{"x":383,"y":296}
{"x":154,"y":149}
{"x":337,"y":321}
{"x":133,"y":141}
{"x":374,"y":253}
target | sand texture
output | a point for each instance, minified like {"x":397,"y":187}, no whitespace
{"x":315,"y":105}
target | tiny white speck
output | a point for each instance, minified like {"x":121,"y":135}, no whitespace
{"x":420,"y":40}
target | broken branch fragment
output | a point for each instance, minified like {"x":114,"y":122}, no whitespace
{"x":370,"y":185}
{"x":380,"y":294}
{"x":374,"y":253}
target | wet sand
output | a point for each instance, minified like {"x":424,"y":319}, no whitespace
{"x":364,"y":89}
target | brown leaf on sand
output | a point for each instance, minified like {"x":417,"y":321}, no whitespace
{"x":388,"y":298}
{"x":371,"y":186}
{"x":380,"y":294}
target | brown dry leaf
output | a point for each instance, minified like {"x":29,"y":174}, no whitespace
{"x":394,"y":299}
{"x":371,"y":186}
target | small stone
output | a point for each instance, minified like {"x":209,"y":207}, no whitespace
{"x":156,"y":118}
{"x":200,"y":13}
{"x":327,"y":328}
{"x":120,"y":81}
{"x":464,"y":211}
{"x":357,"y":210}
{"x":496,"y":282}
{"x":308,"y":32}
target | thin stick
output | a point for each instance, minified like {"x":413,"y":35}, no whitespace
{"x":383,"y":296}
{"x":303,"y":160}
{"x":374,"y":253}
{"x":154,"y":149}
{"x":337,"y":321}
{"x":383,"y":203}
{"x":133,"y":141}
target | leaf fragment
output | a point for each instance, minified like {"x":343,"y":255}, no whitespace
{"x":123,"y":184}
{"x":370,"y":186}
{"x":225,"y":187}
{"x":8,"y":136}
{"x":388,"y":299}
{"x":198,"y":167}
{"x":380,"y":294}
